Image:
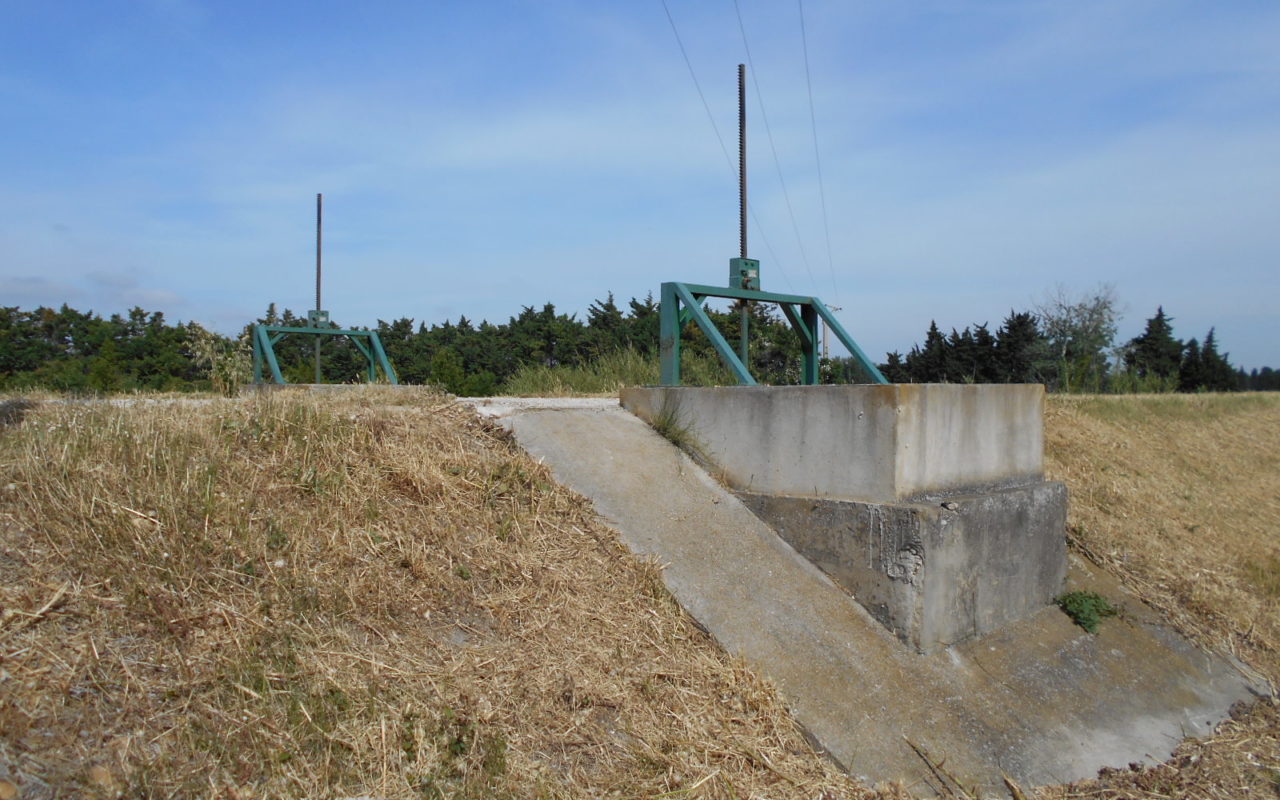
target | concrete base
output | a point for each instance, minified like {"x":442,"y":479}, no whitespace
{"x":1039,"y":700}
{"x":926,"y":502}
{"x":934,"y":574}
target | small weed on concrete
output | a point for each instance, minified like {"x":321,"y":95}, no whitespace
{"x":669,"y":426}
{"x":1086,"y":609}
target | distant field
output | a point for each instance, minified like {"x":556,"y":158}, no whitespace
{"x":376,"y":594}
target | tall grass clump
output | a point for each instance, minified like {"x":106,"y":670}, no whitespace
{"x":610,"y":373}
{"x":365,"y":594}
{"x":228,"y":364}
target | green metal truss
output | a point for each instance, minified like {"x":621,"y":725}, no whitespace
{"x":682,"y":303}
{"x":265,"y":338}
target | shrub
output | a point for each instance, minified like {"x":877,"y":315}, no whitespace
{"x":1086,"y":609}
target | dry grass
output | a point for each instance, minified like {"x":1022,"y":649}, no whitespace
{"x":376,"y":594}
{"x":1179,"y":496}
{"x":371,"y":594}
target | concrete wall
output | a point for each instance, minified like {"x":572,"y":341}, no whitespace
{"x":863,"y":442}
{"x":933,"y":574}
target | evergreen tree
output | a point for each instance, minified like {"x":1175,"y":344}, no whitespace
{"x":1019,"y":348}
{"x":641,"y":325}
{"x":1191,"y":374}
{"x":929,"y":365}
{"x":1265,"y":380}
{"x":604,"y":326}
{"x":894,"y":370}
{"x":1155,"y":353}
{"x":447,"y":371}
{"x":1218,"y":373}
{"x":985,"y":369}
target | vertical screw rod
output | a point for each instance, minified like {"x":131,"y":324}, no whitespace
{"x":319,"y":241}
{"x":742,"y":160}
{"x":743,"y":340}
{"x":319,"y":235}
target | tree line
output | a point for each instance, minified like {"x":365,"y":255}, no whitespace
{"x":1066,"y":343}
{"x":1069,"y":345}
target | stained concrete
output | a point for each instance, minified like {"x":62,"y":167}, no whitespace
{"x":1040,"y":700}
{"x":934,"y":574}
{"x":862,"y":442}
{"x":928,"y":501}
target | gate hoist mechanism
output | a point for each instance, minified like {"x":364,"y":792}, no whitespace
{"x":681,"y":303}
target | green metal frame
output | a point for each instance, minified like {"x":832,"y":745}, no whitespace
{"x":265,"y":338}
{"x":682,"y":302}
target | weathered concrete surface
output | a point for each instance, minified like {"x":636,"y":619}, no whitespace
{"x":1041,"y":700}
{"x":935,"y":575}
{"x":871,"y":443}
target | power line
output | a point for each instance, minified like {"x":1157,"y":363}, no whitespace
{"x":777,"y":163}
{"x":817,"y":157}
{"x":727,"y":159}
{"x":710,"y":117}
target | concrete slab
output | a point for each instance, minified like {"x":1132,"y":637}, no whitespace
{"x":1042,"y":700}
{"x":859,"y":442}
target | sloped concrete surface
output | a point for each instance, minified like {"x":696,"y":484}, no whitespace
{"x":1039,"y":700}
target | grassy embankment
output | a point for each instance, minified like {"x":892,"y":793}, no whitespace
{"x":1179,"y":496}
{"x":377,"y":594}
{"x":365,"y":594}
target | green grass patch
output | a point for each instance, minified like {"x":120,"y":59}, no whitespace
{"x":1086,"y":609}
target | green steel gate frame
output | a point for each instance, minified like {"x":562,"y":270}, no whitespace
{"x":265,"y":338}
{"x":682,"y":302}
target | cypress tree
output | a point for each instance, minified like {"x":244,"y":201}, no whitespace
{"x":1191,"y":375}
{"x":1017,"y":348}
{"x":1156,"y":353}
{"x":1218,"y":374}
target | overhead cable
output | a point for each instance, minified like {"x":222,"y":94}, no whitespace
{"x":728,"y":160}
{"x":777,"y":163}
{"x":817,"y":157}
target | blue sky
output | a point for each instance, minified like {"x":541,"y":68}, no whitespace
{"x":480,"y":156}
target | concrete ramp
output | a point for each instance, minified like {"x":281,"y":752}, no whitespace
{"x":1040,"y":700}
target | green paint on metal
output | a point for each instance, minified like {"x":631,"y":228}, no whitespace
{"x":265,"y":338}
{"x":744,"y":273}
{"x":727,"y":355}
{"x":681,"y":303}
{"x":845,"y":339}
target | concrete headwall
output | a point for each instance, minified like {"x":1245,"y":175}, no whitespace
{"x":933,"y":574}
{"x":852,"y":477}
{"x":862,"y":442}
